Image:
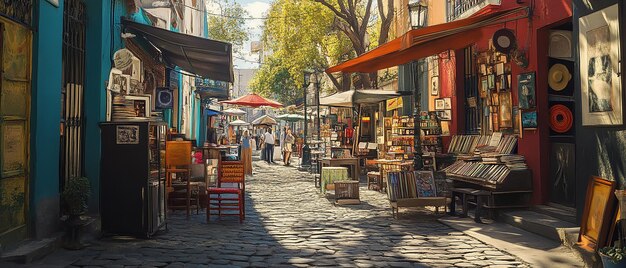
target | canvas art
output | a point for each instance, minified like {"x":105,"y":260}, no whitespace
{"x":526,"y":90}
{"x":529,"y":119}
{"x":505,"y":110}
{"x":425,"y":184}
{"x":141,"y":105}
{"x":599,"y":67}
{"x":484,"y":87}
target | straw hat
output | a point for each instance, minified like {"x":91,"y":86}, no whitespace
{"x":558,"y":77}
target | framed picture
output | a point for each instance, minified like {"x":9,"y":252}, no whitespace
{"x":495,"y":99}
{"x":141,"y":104}
{"x":529,"y":120}
{"x":445,"y":115}
{"x":164,"y":98}
{"x":483,"y":69}
{"x":500,"y":68}
{"x":491,"y":81}
{"x":434,"y":83}
{"x":115,"y":81}
{"x":505,"y":110}
{"x":599,"y":46}
{"x":445,"y":128}
{"x":526,"y":90}
{"x":388,"y":121}
{"x":471,"y":102}
{"x":596,"y":219}
{"x":439,"y":104}
{"x":447,"y":103}
{"x":126,"y":134}
{"x":425,"y":184}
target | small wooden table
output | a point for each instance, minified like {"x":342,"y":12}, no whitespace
{"x":332,"y":174}
{"x":352,"y":163}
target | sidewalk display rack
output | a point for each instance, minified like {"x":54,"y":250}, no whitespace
{"x":413,"y":189}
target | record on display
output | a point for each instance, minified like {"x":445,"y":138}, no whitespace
{"x":504,"y":41}
{"x":164,"y":98}
{"x":561,"y":118}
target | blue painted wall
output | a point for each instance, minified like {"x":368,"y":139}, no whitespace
{"x":45,"y":118}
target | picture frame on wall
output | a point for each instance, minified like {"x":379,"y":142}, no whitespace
{"x":526,"y":90}
{"x":599,"y":48}
{"x":505,"y":110}
{"x":439,"y":104}
{"x":434,"y":82}
{"x":529,"y":120}
{"x":491,"y":82}
{"x":484,"y":87}
{"x":445,"y":115}
{"x":447,"y":103}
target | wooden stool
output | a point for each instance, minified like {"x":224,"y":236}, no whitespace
{"x":374,"y":180}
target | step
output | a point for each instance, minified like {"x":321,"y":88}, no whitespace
{"x":537,"y":223}
{"x":560,"y":212}
{"x":570,"y":240}
{"x":32,"y":249}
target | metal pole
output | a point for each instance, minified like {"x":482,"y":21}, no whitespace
{"x":317,"y":93}
{"x":417,"y":99}
{"x":306,"y":151}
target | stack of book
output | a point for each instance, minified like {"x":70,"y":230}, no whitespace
{"x":122,"y":109}
{"x":466,"y":144}
{"x":401,"y":185}
{"x":507,"y":144}
{"x":514,"y":161}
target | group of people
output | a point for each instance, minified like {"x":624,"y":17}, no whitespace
{"x":267,"y":143}
{"x":286,"y":140}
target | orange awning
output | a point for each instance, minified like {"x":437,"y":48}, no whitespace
{"x":423,"y":42}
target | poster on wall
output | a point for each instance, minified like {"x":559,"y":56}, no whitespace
{"x":599,"y":68}
{"x":526,"y":90}
{"x":529,"y":120}
{"x":435,"y":85}
{"x":506,"y":120}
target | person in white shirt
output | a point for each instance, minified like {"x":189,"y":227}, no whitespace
{"x":269,"y":145}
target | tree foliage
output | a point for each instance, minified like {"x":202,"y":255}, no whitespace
{"x":229,"y":25}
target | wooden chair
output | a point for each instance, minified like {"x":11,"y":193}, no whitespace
{"x":221,"y":198}
{"x":178,"y":161}
{"x":374,"y":175}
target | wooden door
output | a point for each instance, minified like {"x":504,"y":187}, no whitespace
{"x":15,"y":56}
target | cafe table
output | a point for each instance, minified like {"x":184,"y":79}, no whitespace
{"x":351,"y":162}
{"x":332,"y":174}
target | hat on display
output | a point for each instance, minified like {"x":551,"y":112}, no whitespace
{"x":504,"y":41}
{"x":123,"y":59}
{"x":560,"y":44}
{"x":558,"y":77}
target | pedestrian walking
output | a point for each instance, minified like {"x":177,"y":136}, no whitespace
{"x":281,"y":140}
{"x":269,"y":146}
{"x":289,"y":140}
{"x":262,"y":146}
{"x":246,"y":152}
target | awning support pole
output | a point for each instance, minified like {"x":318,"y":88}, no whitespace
{"x":417,"y":99}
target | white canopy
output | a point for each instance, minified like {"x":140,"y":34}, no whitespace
{"x":239,"y":123}
{"x":361,"y":96}
{"x":234,"y":111}
{"x":264,"y":120}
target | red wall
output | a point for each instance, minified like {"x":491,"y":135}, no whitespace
{"x":532,"y":37}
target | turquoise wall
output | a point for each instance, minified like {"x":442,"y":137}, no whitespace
{"x":45,"y":118}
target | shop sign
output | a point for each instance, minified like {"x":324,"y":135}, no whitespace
{"x":20,"y":11}
{"x":394,"y":103}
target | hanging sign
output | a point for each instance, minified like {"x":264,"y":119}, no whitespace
{"x":394,"y":103}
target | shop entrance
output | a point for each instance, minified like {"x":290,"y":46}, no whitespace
{"x":560,"y":62}
{"x":72,"y":144}
{"x":15,"y":55}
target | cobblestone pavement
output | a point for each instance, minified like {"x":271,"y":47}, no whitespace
{"x":290,"y":224}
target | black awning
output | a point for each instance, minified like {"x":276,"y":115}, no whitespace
{"x":203,"y":57}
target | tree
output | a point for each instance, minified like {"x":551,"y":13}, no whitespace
{"x":353,"y":18}
{"x":274,"y":80}
{"x":229,"y":24}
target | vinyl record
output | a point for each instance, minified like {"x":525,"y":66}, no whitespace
{"x":561,"y":118}
{"x":165,"y":98}
{"x":504,"y":41}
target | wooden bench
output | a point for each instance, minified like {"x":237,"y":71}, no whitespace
{"x":480,"y":198}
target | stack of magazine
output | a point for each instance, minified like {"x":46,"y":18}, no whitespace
{"x":484,"y":172}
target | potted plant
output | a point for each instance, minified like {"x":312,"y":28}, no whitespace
{"x":613,"y":257}
{"x":74,"y":199}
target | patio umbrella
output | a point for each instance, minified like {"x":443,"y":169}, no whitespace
{"x":352,"y":97}
{"x":234,"y":111}
{"x":290,"y":117}
{"x":253,"y":100}
{"x":264,"y":120}
{"x":239,"y":123}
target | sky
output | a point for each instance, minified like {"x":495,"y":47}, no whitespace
{"x":255,"y":9}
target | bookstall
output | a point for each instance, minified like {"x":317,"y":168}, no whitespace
{"x":487,"y":166}
{"x":413,"y":189}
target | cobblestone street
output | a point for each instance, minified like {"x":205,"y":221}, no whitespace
{"x":290,"y":224}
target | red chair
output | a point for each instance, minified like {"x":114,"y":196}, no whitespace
{"x":222,"y":198}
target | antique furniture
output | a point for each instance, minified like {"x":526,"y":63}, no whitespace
{"x":132,"y":184}
{"x":229,"y":195}
{"x":347,"y":192}
{"x":413,"y":189}
{"x":182,"y":194}
{"x":352,"y":163}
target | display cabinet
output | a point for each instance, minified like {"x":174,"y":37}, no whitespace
{"x":132,"y":181}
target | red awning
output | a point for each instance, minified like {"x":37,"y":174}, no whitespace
{"x":423,"y":42}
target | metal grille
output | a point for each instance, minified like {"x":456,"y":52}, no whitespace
{"x":457,"y":7}
{"x":72,"y":92}
{"x":472,"y":114}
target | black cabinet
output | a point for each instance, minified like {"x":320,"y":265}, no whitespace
{"x":132,"y":180}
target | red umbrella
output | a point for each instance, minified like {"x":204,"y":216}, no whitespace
{"x":253,"y":100}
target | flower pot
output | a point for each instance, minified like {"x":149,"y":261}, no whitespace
{"x":608,"y":263}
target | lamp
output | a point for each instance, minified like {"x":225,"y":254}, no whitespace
{"x":306,"y":151}
{"x":418,"y":14}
